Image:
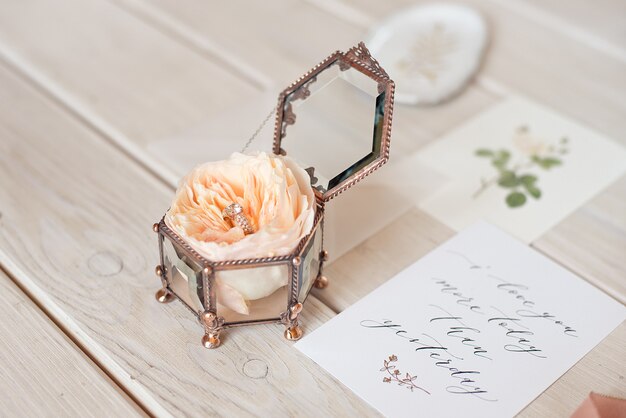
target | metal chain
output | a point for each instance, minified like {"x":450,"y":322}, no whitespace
{"x":253,"y":137}
{"x":258,"y":130}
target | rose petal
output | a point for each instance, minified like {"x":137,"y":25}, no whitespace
{"x":255,"y":283}
{"x":230,"y":298}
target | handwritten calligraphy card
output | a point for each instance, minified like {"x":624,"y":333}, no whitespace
{"x":479,"y":328}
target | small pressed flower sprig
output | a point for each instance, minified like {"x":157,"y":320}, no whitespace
{"x":395,"y":375}
{"x":513,"y":176}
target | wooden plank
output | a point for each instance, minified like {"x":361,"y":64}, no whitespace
{"x":282,"y":39}
{"x":147,"y":120}
{"x":381,"y":257}
{"x":171,"y":155}
{"x":86,"y":252}
{"x":290,"y":38}
{"x":43,"y":372}
{"x":592,"y":241}
{"x":176,"y":89}
{"x":601,"y":23}
{"x":131,"y":82}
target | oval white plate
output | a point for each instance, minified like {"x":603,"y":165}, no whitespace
{"x":430,"y":51}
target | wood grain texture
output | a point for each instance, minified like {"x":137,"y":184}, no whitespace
{"x":87,"y":252}
{"x":44,"y":373}
{"x":592,"y":241}
{"x":521,"y":58}
{"x":133,"y":73}
{"x":381,"y":257}
{"x":185,"y":89}
{"x":281,"y":50}
{"x":278,"y":47}
{"x":131,"y":82}
{"x":170,"y":156}
{"x":601,"y":21}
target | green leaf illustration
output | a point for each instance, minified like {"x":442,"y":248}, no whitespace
{"x":508,"y":179}
{"x":528,"y":179}
{"x":501,"y":159}
{"x":509,"y":172}
{"x":533,"y":190}
{"x":484,"y":152}
{"x":546,"y":162}
{"x":551,"y":162}
{"x":515,"y":199}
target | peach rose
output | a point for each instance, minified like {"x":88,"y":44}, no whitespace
{"x":276,"y":197}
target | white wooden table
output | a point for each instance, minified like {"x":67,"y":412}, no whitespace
{"x":89,"y":89}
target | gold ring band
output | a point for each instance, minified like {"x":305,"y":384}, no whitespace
{"x":234,"y":213}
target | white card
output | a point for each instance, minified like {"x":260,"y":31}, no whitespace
{"x":552,"y":164}
{"x":483,"y":325}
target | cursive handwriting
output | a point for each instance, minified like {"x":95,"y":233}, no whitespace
{"x":460,"y":330}
{"x":461,"y":299}
{"x":397,"y":329}
{"x":512,"y":326}
{"x":517,"y":291}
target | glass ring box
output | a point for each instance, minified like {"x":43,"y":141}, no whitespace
{"x":343,"y":108}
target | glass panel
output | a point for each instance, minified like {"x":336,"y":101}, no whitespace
{"x":310,"y":267}
{"x":333,"y":124}
{"x":253,"y":293}
{"x":184,"y":275}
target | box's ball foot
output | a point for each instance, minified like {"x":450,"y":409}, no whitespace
{"x":211,"y":340}
{"x":321,"y":282}
{"x":293,"y":333}
{"x":164,"y":296}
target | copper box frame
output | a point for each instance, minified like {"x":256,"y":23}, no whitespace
{"x":359,"y":58}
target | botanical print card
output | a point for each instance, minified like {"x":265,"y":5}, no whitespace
{"x":479,"y":327}
{"x":520,"y":166}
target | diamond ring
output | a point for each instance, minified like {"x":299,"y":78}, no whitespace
{"x":234,"y":213}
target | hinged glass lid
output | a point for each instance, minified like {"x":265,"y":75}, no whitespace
{"x":343,"y":109}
